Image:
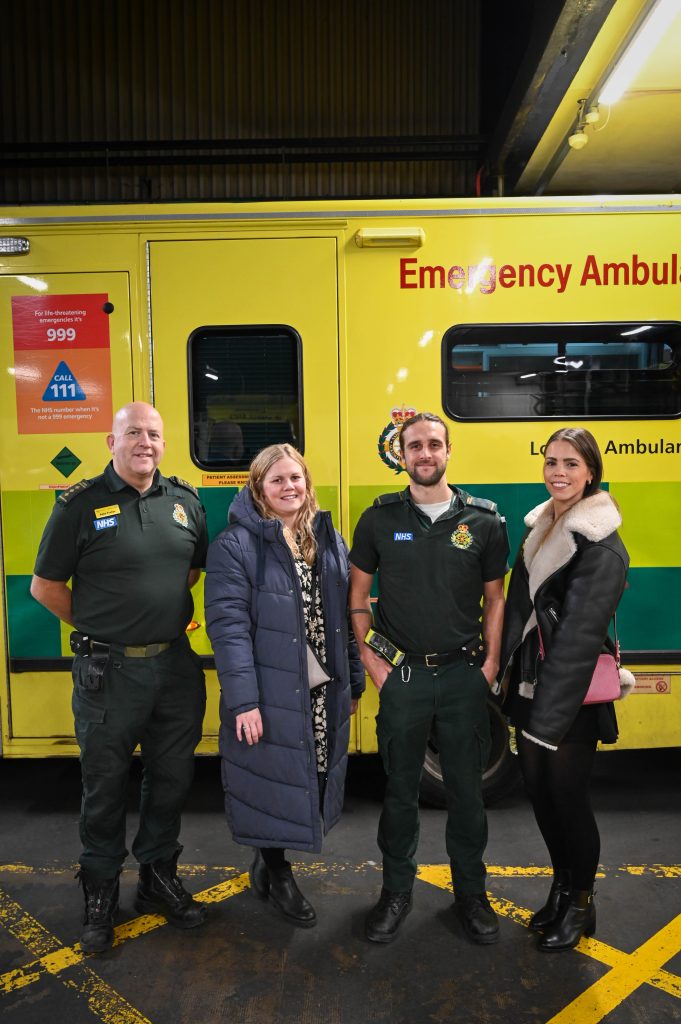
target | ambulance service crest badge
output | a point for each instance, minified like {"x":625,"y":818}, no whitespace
{"x":462,"y":537}
{"x":179,"y":514}
{"x":388,"y":443}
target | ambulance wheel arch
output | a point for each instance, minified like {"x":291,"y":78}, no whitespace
{"x":499,"y":778}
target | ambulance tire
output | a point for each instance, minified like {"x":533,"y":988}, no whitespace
{"x":500,"y":778}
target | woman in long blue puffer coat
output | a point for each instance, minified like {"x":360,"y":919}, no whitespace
{"x":276,"y":601}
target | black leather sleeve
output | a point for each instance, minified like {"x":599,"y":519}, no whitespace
{"x":591,"y":590}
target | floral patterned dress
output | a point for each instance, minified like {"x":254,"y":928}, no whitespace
{"x":314,"y":625}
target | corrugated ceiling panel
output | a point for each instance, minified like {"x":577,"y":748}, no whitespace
{"x":79,"y":78}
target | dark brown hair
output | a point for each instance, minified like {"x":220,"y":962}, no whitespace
{"x":425,"y":417}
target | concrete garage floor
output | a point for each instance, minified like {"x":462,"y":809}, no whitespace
{"x":248,"y":966}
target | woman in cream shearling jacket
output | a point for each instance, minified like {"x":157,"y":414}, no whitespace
{"x":566,"y":582}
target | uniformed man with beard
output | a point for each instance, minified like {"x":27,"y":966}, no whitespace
{"x":433,"y":653}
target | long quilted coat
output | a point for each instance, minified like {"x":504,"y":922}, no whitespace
{"x":254,"y":617}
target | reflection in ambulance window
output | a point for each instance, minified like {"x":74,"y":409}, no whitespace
{"x":562,"y":371}
{"x":226,"y":444}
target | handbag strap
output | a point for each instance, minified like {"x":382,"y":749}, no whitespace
{"x":614,"y":629}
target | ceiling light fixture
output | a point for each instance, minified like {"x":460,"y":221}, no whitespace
{"x":642,"y":44}
{"x":577,"y":139}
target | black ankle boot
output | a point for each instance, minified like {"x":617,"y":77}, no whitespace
{"x":578,"y":919}
{"x":385,"y":919}
{"x":477,"y":917}
{"x":556,"y":903}
{"x":101,"y":904}
{"x":258,"y":876}
{"x":160,"y":891}
{"x":287,"y":897}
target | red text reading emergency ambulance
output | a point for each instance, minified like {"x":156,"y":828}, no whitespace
{"x":486,"y":277}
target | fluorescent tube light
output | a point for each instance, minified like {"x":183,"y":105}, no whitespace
{"x":642,"y":45}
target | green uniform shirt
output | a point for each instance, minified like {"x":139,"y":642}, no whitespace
{"x":128,"y":556}
{"x":430,"y":575}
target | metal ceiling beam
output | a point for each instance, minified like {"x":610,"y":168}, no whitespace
{"x":562,"y":36}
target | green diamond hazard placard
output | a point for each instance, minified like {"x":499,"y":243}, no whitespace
{"x":65,"y":462}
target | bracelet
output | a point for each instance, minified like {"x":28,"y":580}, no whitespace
{"x":359,"y":611}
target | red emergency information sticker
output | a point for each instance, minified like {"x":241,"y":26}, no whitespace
{"x":62,"y":363}
{"x":60,"y":322}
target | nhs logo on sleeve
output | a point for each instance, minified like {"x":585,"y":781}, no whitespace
{"x":402,"y":536}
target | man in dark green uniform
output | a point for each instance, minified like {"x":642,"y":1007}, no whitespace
{"x":440,"y":553}
{"x":132,"y":542}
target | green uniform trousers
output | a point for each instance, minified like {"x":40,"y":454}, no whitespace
{"x":452,"y":702}
{"x":158,"y":703}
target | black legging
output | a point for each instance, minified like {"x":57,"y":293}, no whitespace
{"x":557,"y":783}
{"x":274,"y":857}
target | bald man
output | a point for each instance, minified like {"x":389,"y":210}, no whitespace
{"x":132,"y":543}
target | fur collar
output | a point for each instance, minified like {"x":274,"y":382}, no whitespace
{"x":546,"y":550}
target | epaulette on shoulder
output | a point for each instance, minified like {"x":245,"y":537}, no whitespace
{"x":489,"y":506}
{"x":66,"y":496}
{"x":388,"y":499}
{"x":184,"y":483}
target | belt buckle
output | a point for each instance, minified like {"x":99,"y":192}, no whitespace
{"x":430,"y":664}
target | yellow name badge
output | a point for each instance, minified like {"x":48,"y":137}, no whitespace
{"x":110,"y":510}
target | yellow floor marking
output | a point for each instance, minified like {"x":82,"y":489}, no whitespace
{"x":10,"y":981}
{"x":104,"y":1001}
{"x":628,"y":971}
{"x":188,"y":870}
{"x":440,"y":875}
{"x":224,"y":890}
{"x":613,"y":988}
{"x":54,"y":958}
{"x":660,"y":870}
{"x":495,"y":871}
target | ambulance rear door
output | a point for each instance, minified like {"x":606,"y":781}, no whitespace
{"x":66,"y":352}
{"x":245,"y":354}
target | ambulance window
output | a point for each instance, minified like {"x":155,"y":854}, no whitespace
{"x":245,"y":393}
{"x":562,"y":371}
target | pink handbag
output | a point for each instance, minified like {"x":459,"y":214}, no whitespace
{"x":605,"y":682}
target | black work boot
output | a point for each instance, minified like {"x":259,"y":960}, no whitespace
{"x":557,"y":901}
{"x":384,"y":920}
{"x":258,"y":876}
{"x":160,"y":891}
{"x":477,"y":917}
{"x":287,"y":897}
{"x":578,"y":919}
{"x":101,"y":904}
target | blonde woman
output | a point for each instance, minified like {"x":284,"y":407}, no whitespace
{"x":276,"y":596}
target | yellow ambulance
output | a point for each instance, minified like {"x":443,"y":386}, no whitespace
{"x":325,"y":324}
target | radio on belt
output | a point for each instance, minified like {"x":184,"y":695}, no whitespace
{"x":382,"y":646}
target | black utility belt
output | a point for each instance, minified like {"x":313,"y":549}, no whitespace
{"x":86,"y":647}
{"x":473,"y":653}
{"x":434,"y":660}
